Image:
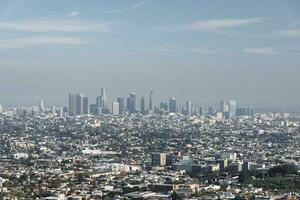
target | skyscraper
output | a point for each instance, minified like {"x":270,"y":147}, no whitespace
{"x":101,"y":101}
{"x":41,"y":106}
{"x":72,"y":104}
{"x":172,"y":105}
{"x":143,"y":111}
{"x":189,"y":108}
{"x":78,"y":104}
{"x":1,"y":109}
{"x":85,"y":105}
{"x":151,"y":100}
{"x":132,"y":103}
{"x":115,"y":108}
{"x":232,"y":109}
{"x":103,"y":98}
{"x":121,"y":105}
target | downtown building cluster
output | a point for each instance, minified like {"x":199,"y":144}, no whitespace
{"x":79,"y":105}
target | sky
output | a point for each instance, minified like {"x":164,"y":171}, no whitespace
{"x":198,"y":50}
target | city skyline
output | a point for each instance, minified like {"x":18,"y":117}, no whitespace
{"x":244,"y":52}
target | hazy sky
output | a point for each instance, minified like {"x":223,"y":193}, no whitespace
{"x":199,"y":50}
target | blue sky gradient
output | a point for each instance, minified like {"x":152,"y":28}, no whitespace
{"x":204,"y":50}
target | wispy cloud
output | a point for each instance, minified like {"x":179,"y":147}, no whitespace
{"x":55,"y":26}
{"x":18,"y":43}
{"x":291,"y":32}
{"x":132,"y":7}
{"x":74,"y":14}
{"x":216,"y":24}
{"x":264,"y":50}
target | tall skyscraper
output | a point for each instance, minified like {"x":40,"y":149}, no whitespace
{"x":172,"y":105}
{"x":143,"y":111}
{"x":232,"y":109}
{"x":189,"y":108}
{"x":115,"y":108}
{"x":121,"y":105}
{"x":223,"y":106}
{"x":151,"y":100}
{"x":85,"y":105}
{"x":132,"y":103}
{"x":1,"y":109}
{"x":101,"y":101}
{"x":41,"y":106}
{"x":103,"y":98}
{"x":72,"y":104}
{"x":78,"y":104}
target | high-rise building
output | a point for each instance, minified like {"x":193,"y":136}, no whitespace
{"x":189,"y":108}
{"x":115,"y":108}
{"x":224,"y":106}
{"x":85,"y":105}
{"x":121,"y":105}
{"x":72,"y":104}
{"x":158,"y":159}
{"x":41,"y":106}
{"x":172,"y":105}
{"x":151,"y":100}
{"x":1,"y":109}
{"x":78,"y":104}
{"x":232,"y":109}
{"x":101,"y":100}
{"x":132,"y":103}
{"x":143,"y":111}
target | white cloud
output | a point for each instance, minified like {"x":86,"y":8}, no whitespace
{"x":265,"y":50}
{"x":132,"y":7}
{"x":206,"y":50}
{"x":74,"y":14}
{"x":55,"y":26}
{"x":17,"y":43}
{"x":292,"y":32}
{"x":220,"y":23}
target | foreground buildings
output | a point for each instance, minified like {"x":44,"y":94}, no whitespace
{"x":51,"y":155}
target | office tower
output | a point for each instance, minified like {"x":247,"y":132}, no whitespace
{"x":72,"y":104}
{"x":158,"y":159}
{"x":132,"y":103}
{"x":85,"y":105}
{"x":224,"y":106}
{"x":115,"y":108}
{"x":128,"y":104}
{"x":232,"y":109}
{"x":79,"y":104}
{"x":121,"y":105}
{"x":200,"y":111}
{"x":189,"y":108}
{"x":211,"y":110}
{"x":143,"y":105}
{"x":101,"y":100}
{"x":172,"y":105}
{"x":1,"y":109}
{"x":41,"y":106}
{"x":151,"y":100}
